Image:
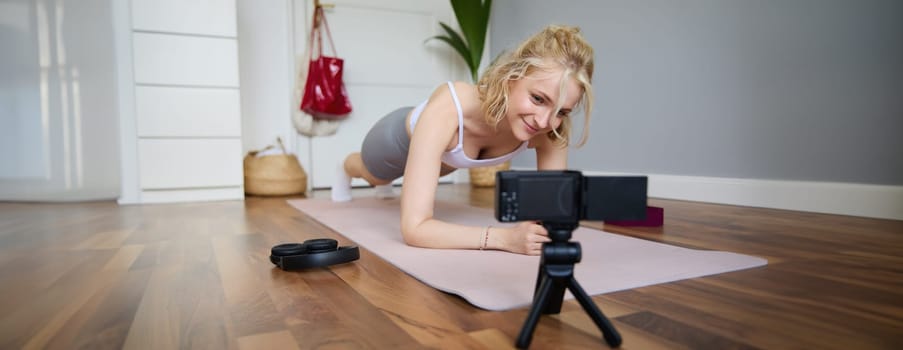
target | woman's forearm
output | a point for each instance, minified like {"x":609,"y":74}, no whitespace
{"x":524,"y":238}
{"x":432,"y":233}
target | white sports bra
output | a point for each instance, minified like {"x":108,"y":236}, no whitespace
{"x":456,"y":158}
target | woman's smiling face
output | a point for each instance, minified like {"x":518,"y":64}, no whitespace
{"x":532,"y":101}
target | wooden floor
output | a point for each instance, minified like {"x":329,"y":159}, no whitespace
{"x":99,"y":275}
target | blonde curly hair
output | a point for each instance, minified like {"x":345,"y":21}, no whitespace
{"x":553,"y":47}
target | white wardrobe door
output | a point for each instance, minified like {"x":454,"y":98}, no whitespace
{"x":209,"y":17}
{"x":187,"y":163}
{"x":185,"y":60}
{"x":175,"y":111}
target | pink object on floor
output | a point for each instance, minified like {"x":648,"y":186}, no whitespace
{"x":655,"y":217}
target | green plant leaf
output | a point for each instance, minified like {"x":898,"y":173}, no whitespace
{"x":455,"y":41}
{"x":473,"y":18}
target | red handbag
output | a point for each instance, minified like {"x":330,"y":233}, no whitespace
{"x":325,"y":97}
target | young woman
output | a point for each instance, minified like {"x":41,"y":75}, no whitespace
{"x":524,"y":100}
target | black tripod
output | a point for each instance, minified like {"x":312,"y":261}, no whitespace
{"x":556,"y":272}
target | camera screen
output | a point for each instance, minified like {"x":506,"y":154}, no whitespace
{"x":546,"y":197}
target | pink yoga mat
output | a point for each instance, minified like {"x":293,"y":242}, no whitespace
{"x":496,"y":280}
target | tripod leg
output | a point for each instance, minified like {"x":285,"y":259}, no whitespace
{"x":611,"y":335}
{"x":556,"y":298}
{"x":539,"y":302}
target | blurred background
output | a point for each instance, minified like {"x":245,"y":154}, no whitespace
{"x":785,"y":104}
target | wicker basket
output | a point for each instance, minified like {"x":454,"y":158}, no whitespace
{"x":485,"y":176}
{"x":274,"y":174}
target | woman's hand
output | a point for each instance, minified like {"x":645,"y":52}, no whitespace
{"x":525,"y":238}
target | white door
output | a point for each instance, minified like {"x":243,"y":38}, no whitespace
{"x":387,"y":65}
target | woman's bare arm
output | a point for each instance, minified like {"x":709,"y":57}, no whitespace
{"x":435,"y":130}
{"x":550,"y":156}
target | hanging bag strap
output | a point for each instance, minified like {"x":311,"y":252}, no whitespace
{"x":316,"y":33}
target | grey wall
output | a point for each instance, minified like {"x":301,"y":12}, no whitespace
{"x":766,"y":89}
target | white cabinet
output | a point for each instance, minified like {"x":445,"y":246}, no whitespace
{"x":174,"y":60}
{"x":181,"y":107}
{"x":179,"y":163}
{"x":187,"y":112}
{"x":199,"y":17}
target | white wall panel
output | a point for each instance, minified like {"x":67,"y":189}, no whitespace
{"x":210,"y":17}
{"x":175,"y":111}
{"x":419,"y":6}
{"x":186,"y":163}
{"x":267,"y":73}
{"x":395,"y":54}
{"x":185,"y":60}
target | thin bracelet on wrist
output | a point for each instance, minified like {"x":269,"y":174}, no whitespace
{"x":485,"y":238}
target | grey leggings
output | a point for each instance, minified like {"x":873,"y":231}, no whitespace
{"x":385,"y":149}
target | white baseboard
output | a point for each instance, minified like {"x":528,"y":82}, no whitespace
{"x":186,"y":195}
{"x":874,"y":201}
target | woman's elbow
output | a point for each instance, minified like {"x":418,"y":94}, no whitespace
{"x":411,"y":237}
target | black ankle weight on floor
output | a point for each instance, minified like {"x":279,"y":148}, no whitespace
{"x":320,"y":252}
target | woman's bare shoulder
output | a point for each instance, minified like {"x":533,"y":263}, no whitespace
{"x":468,"y":96}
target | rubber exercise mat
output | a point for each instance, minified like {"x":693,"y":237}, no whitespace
{"x":496,"y":280}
